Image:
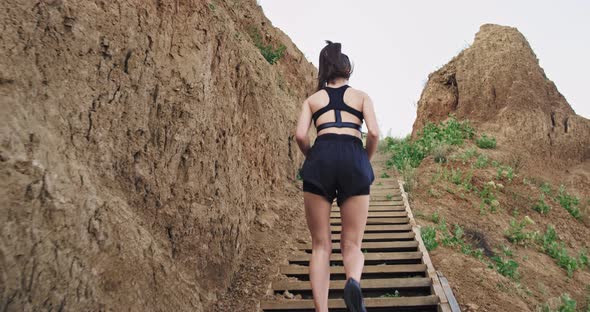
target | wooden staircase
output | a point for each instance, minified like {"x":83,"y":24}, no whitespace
{"x":397,"y":276}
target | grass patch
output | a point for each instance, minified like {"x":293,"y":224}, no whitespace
{"x":450,"y":132}
{"x":428,"y":234}
{"x":485,"y":141}
{"x":394,"y":294}
{"x":440,"y":152}
{"x":541,"y":206}
{"x":551,"y":245}
{"x":517,"y":234}
{"x":569,"y":202}
{"x":481,"y":161}
{"x":270,"y":54}
{"x":506,"y":267}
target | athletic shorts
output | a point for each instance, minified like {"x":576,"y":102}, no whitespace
{"x":337,"y":166}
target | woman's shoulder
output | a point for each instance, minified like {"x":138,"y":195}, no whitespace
{"x":358,"y":92}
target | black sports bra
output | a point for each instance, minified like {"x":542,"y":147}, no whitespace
{"x":337,"y":104}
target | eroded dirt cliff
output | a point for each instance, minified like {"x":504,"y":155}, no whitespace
{"x":498,"y":84}
{"x":140,"y":140}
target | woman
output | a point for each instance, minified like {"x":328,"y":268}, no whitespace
{"x":337,"y":166}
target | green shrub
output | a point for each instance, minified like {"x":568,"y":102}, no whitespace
{"x":488,"y":196}
{"x":435,"y":217}
{"x":567,"y":304}
{"x":384,"y":175}
{"x":506,"y":267}
{"x":481,"y":161}
{"x":428,"y":234}
{"x":541,"y":206}
{"x":545,"y":188}
{"x":485,"y":142}
{"x":440,"y":152}
{"x":408,"y":174}
{"x":269,"y":53}
{"x":569,"y":202}
{"x":450,"y":132}
{"x":456,"y":176}
{"x":516,"y":233}
{"x":467,"y":155}
{"x":556,"y":250}
{"x":505,"y":172}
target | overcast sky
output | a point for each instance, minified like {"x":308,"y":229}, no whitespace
{"x":394,"y":45}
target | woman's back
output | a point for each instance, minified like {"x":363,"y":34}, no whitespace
{"x":352,"y":112}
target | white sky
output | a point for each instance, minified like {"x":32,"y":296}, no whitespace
{"x":394,"y":45}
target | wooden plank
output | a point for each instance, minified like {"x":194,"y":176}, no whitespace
{"x":371,"y":245}
{"x":375,"y":221}
{"x":386,"y":203}
{"x":366,"y":284}
{"x":292,"y":269}
{"x":448,"y":292}
{"x":377,"y":214}
{"x":407,"y":255}
{"x":338,"y":303}
{"x":390,"y":236}
{"x":388,"y":208}
{"x":377,"y":228}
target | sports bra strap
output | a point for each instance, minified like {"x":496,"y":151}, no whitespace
{"x":336,"y":103}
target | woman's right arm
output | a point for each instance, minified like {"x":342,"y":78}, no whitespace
{"x":372,"y":127}
{"x":303,"y":128}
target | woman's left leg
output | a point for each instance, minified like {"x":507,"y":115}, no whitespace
{"x":317,"y":213}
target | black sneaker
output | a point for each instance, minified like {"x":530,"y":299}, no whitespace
{"x":353,"y":296}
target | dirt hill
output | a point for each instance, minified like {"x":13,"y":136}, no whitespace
{"x":497,"y":83}
{"x":506,"y":222}
{"x":140,"y":142}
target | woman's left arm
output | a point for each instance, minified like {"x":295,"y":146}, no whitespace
{"x":303,"y":128}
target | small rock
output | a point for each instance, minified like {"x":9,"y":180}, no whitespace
{"x":288,"y":295}
{"x":301,"y":241}
{"x":471,"y":307}
{"x":495,"y":203}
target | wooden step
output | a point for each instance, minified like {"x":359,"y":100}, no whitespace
{"x":381,"y":302}
{"x":380,"y":236}
{"x":385,"y":192}
{"x":370,"y":245}
{"x":375,"y":221}
{"x":407,"y":255}
{"x":377,"y":208}
{"x":378,"y":228}
{"x":386,"y":203}
{"x":377,"y":214}
{"x":292,"y":269}
{"x":366,"y":284}
{"x":385,"y":200}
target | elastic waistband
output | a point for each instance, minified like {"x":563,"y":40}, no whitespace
{"x":338,"y":137}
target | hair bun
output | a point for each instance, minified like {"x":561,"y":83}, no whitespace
{"x":333,"y":50}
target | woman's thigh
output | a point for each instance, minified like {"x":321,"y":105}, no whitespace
{"x":354,"y":213}
{"x":317,"y":213}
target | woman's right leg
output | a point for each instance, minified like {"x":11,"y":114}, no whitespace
{"x":317,"y":213}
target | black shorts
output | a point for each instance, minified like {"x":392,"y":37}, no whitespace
{"x":337,"y":166}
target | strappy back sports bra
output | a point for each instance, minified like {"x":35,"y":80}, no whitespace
{"x":337,"y":104}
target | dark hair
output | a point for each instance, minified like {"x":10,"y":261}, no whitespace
{"x":333,"y":64}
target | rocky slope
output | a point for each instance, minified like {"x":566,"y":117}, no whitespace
{"x":497,"y":82}
{"x":139,"y":143}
